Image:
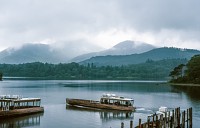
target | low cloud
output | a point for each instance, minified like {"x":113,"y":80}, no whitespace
{"x":170,"y":23}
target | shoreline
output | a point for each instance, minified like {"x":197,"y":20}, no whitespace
{"x":185,"y":84}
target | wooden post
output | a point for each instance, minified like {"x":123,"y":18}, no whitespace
{"x":131,"y":124}
{"x":187,"y":118}
{"x":157,"y":123}
{"x":148,"y":122}
{"x":179,"y":116}
{"x":122,"y":125}
{"x":169,"y":122}
{"x":165,"y":120}
{"x":172,"y":119}
{"x":183,"y":119}
{"x":190,"y":117}
{"x":140,"y":123}
{"x":175,"y":118}
{"x":153,"y":120}
{"x":161,"y":120}
{"x":143,"y":126}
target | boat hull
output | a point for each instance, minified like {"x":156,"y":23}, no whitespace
{"x":21,"y":112}
{"x":97,"y":105}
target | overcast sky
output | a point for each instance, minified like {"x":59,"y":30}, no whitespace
{"x":100,"y":22}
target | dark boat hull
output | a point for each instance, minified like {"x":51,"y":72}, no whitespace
{"x":21,"y":112}
{"x":97,"y":105}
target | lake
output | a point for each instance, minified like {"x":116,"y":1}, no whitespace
{"x":148,"y":97}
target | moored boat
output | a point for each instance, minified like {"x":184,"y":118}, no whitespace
{"x":164,"y":111}
{"x":12,"y":106}
{"x":107,"y":101}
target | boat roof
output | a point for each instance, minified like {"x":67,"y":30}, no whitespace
{"x":16,"y":98}
{"x":114,"y":97}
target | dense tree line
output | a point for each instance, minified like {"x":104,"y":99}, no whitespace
{"x":189,"y":73}
{"x":148,"y":70}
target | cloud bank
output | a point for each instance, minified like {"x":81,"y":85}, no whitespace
{"x":103,"y":23}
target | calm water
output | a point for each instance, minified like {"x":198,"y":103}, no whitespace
{"x":148,"y":96}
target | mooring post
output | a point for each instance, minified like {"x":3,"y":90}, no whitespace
{"x":131,"y":124}
{"x":153,"y":120}
{"x":171,"y":122}
{"x":122,"y":125}
{"x":148,"y":122}
{"x":187,"y":118}
{"x":140,"y":123}
{"x":190,"y":116}
{"x":179,"y":116}
{"x":169,"y":117}
{"x":175,"y":118}
{"x":157,"y":123}
{"x":172,"y":119}
{"x":165,"y":120}
{"x":161,"y":120}
{"x":183,"y":119}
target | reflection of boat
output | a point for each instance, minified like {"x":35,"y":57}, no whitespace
{"x":105,"y":115}
{"x":24,"y":121}
{"x":11,"y":106}
{"x":107,"y":101}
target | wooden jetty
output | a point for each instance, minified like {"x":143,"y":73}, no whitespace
{"x":12,"y":106}
{"x":170,"y":119}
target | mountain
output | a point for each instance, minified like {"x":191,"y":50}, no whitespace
{"x":60,"y":52}
{"x":154,"y":55}
{"x":123,"y":48}
{"x":31,"y":53}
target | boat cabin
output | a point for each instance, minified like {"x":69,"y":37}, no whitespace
{"x":8,"y":102}
{"x":116,"y":100}
{"x":163,"y":109}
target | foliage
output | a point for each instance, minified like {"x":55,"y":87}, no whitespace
{"x":148,"y":70}
{"x":177,"y":72}
{"x":155,"y":55}
{"x":192,"y":72}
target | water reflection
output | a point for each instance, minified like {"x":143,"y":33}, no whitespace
{"x":105,"y":115}
{"x":25,"y":121}
{"x":124,"y":86}
{"x":148,"y":96}
{"x":191,"y":91}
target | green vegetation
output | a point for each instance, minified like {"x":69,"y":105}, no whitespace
{"x":155,"y":54}
{"x":148,"y":70}
{"x":189,"y":73}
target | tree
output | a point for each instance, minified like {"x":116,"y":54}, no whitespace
{"x":177,"y":72}
{"x":193,"y":71}
{"x":191,"y":75}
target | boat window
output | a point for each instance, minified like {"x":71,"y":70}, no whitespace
{"x":111,"y":101}
{"x":127,"y":103}
{"x":102,"y":101}
{"x":106,"y":101}
{"x":131,"y":103}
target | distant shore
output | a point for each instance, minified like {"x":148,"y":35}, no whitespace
{"x":185,"y":84}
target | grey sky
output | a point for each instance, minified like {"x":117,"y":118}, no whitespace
{"x":100,"y":22}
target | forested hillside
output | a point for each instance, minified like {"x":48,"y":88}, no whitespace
{"x":155,"y":55}
{"x":189,"y":73}
{"x":148,"y":70}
